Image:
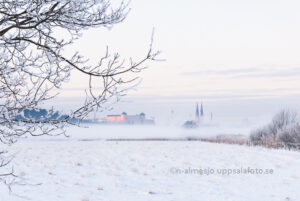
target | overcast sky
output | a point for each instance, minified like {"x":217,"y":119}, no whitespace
{"x":219,"y":52}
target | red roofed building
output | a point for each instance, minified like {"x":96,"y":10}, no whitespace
{"x":128,"y":119}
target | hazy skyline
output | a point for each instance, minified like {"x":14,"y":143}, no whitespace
{"x":214,"y":50}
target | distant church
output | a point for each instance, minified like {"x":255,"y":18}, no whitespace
{"x":199,"y":116}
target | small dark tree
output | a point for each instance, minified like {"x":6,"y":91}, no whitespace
{"x":259,"y":136}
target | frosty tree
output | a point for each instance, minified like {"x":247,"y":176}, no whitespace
{"x":32,"y":62}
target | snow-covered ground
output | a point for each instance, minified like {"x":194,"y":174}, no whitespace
{"x":76,"y":169}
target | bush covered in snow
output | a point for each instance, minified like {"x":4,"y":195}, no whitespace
{"x":283,"y":131}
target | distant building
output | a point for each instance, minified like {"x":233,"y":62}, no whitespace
{"x":128,"y":119}
{"x":116,"y":118}
{"x":199,"y":115}
{"x":190,"y":124}
{"x":201,"y":111}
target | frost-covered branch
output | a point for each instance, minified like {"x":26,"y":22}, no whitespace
{"x":33,"y":64}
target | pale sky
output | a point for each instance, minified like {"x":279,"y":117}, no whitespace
{"x":234,"y":52}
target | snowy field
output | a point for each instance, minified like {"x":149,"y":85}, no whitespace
{"x":85,"y":167}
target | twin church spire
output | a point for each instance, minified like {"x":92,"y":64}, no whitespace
{"x":199,"y":114}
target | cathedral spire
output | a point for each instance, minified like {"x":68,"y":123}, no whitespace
{"x":201,"y":110}
{"x":197,"y":119}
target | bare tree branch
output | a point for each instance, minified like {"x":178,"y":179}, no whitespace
{"x":32,"y":62}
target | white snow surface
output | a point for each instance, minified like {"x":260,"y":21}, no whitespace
{"x":85,"y":167}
